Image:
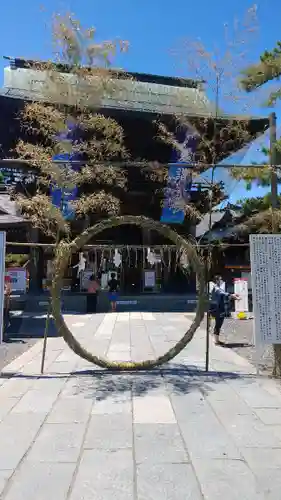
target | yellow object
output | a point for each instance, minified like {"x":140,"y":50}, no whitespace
{"x":241,"y":315}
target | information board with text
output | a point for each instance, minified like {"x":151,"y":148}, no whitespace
{"x":265,"y":251}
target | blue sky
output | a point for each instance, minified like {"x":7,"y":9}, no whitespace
{"x":156,"y":31}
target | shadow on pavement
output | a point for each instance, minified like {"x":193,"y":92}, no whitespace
{"x":174,"y":370}
{"x":17,"y":375}
{"x":32,"y":327}
{"x":178,"y":379}
{"x":14,"y":327}
{"x":233,"y":345}
{"x":12,"y":340}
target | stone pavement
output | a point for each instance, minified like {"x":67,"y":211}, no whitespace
{"x":176,"y":433}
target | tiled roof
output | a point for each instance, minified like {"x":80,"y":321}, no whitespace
{"x":7,"y":205}
{"x":8,"y":220}
{"x":203,"y":226}
{"x":9,"y":213}
{"x":126,"y":94}
{"x":218,"y":232}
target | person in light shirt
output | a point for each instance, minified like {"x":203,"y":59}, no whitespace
{"x":218,"y":297}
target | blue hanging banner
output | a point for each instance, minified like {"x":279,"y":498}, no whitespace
{"x":177,"y":194}
{"x":177,"y":191}
{"x":63,"y":198}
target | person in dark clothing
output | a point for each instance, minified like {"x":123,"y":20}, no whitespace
{"x":7,"y":300}
{"x":93,"y":288}
{"x":219,"y":298}
{"x":113,"y":287}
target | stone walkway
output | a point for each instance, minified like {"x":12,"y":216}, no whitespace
{"x":80,"y":433}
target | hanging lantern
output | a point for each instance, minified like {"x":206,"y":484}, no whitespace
{"x":169,"y":259}
{"x":101,"y":260}
{"x":157,"y":256}
{"x":162,"y":257}
{"x":117,"y":258}
{"x":177,"y":255}
{"x":150,"y":257}
{"x":184,"y":260}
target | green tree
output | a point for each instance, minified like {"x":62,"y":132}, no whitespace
{"x":254,"y":77}
{"x":266,"y":70}
{"x":249,"y":206}
{"x":259,"y":216}
{"x":268,"y":220}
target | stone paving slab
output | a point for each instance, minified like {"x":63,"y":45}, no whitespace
{"x":226,"y":479}
{"x":41,"y":481}
{"x":176,"y":433}
{"x":167,"y":481}
{"x":104,"y":475}
{"x":109,"y":432}
{"x":159,"y":443}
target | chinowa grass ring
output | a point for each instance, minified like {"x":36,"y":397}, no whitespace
{"x":63,"y":255}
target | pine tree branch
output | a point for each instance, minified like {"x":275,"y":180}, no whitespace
{"x":264,"y":222}
{"x":100,"y":203}
{"x":268,"y":69}
{"x":42,"y":214}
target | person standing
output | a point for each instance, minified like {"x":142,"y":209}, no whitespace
{"x":93,"y":288}
{"x":7,"y":301}
{"x":219,"y":299}
{"x":80,"y":266}
{"x":113,"y":287}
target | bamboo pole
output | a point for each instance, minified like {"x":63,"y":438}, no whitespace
{"x":122,"y":247}
{"x":191,"y":166}
{"x":46,"y":331}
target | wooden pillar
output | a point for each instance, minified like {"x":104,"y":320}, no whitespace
{"x":146,"y":237}
{"x":36,"y":264}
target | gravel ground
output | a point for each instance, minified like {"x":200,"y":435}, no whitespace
{"x":14,"y":348}
{"x":17,"y":342}
{"x":238,"y":336}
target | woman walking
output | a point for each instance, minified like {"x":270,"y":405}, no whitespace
{"x":7,"y":302}
{"x":113,"y":286}
{"x":219,"y":298}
